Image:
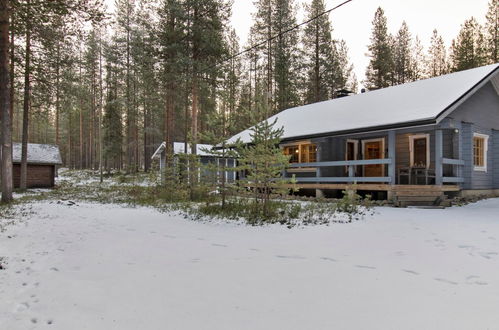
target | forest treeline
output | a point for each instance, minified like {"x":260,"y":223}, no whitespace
{"x":167,"y":70}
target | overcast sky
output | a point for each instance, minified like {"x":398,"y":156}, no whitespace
{"x":352,"y":22}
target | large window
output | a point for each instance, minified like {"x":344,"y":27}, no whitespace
{"x":292,"y":151}
{"x":302,"y":153}
{"x":419,"y":146}
{"x":480,"y":142}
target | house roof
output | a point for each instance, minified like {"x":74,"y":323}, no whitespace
{"x":415,"y":103}
{"x":178,"y":148}
{"x":44,"y":154}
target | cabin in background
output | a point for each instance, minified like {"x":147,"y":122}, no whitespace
{"x":414,"y":144}
{"x":43,"y":160}
{"x":205,"y":157}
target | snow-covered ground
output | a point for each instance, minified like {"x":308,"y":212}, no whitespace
{"x":89,"y":266}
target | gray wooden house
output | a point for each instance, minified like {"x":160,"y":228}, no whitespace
{"x":412,"y":143}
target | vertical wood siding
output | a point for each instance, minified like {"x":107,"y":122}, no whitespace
{"x":39,"y":176}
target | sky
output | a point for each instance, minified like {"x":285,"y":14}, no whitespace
{"x":353,"y":21}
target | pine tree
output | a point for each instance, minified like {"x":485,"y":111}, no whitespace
{"x":264,"y":163}
{"x":402,"y":55}
{"x":318,"y":54}
{"x":286,"y":71}
{"x":436,"y":64}
{"x":342,"y":76}
{"x":468,"y":49}
{"x":112,"y":121}
{"x":492,"y":31}
{"x":417,"y":61}
{"x":379,"y":73}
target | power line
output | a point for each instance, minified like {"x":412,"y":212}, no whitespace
{"x":276,"y":36}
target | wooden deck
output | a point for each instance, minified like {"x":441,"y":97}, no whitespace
{"x":378,"y":187}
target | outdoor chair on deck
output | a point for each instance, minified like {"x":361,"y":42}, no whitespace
{"x":404,"y":172}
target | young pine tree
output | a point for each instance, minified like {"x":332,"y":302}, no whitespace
{"x":264,"y":162}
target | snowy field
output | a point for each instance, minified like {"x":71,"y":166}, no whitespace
{"x":89,"y":266}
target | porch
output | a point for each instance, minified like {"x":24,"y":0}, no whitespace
{"x":419,"y":160}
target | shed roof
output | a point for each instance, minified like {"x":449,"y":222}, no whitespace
{"x":44,"y":154}
{"x":404,"y":105}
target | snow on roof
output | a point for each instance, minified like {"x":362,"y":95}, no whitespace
{"x":202,"y":149}
{"x":411,"y":102}
{"x":48,"y":154}
{"x":179,"y":148}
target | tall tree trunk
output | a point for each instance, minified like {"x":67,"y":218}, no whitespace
{"x":12,"y":76}
{"x":6,"y":138}
{"x":101,"y":105}
{"x":27,"y":92}
{"x":81,"y":158}
{"x":128,"y":137}
{"x":57,"y":93}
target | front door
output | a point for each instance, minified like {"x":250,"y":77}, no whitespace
{"x":373,"y":149}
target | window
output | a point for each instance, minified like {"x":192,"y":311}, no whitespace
{"x":351,"y":150}
{"x":480,"y":142}
{"x":419,"y":146}
{"x":308,"y":153}
{"x":303,"y":153}
{"x":292,"y":151}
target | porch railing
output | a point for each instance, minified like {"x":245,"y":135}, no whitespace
{"x":457,"y":164}
{"x":350,"y":164}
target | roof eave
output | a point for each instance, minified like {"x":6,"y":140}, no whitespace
{"x":424,"y":122}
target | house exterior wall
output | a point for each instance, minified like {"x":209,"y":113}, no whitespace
{"x":39,"y":176}
{"x":479,"y":114}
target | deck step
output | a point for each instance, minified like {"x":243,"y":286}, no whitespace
{"x":409,"y":193}
{"x":417,"y":198}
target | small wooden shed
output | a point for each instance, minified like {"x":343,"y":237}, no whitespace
{"x":42,"y":162}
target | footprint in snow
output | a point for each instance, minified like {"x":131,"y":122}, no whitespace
{"x":256,"y":250}
{"x":328,"y":259}
{"x":410,"y":271}
{"x":22,"y":307}
{"x":365,"y":267}
{"x":290,"y":257}
{"x":54,"y":269}
{"x":169,"y":236}
{"x":488,"y":255}
{"x":445,"y":281}
{"x":220,"y":245}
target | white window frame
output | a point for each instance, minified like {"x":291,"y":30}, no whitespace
{"x":411,"y":148}
{"x":355,"y":148}
{"x":485,"y":152}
